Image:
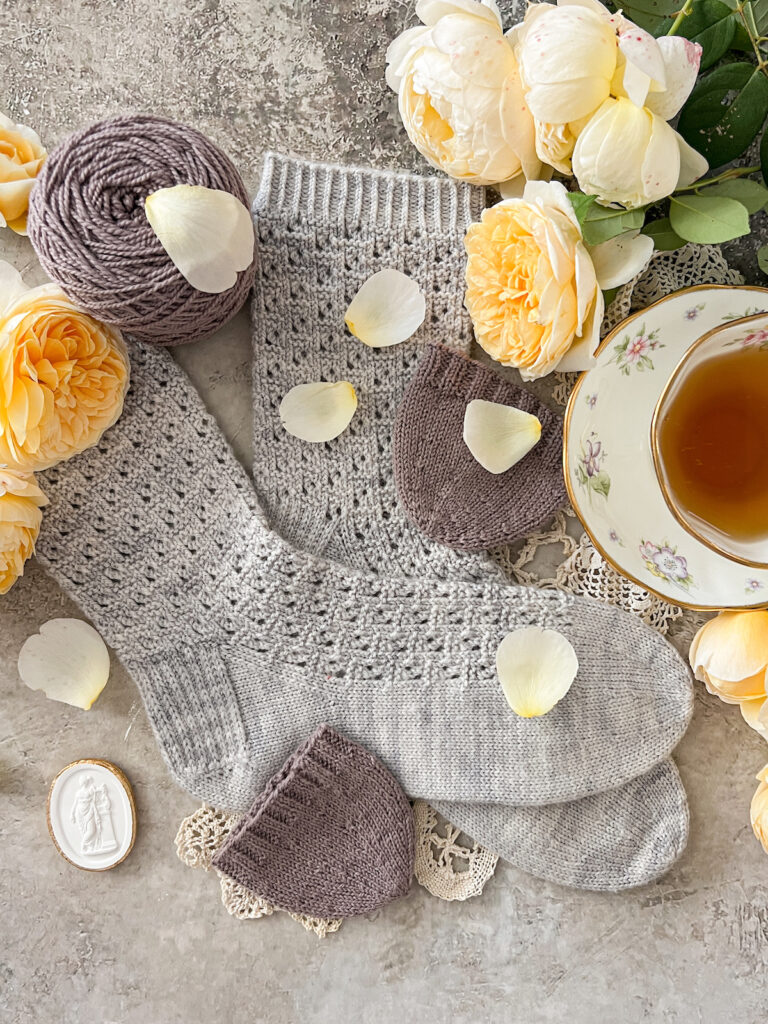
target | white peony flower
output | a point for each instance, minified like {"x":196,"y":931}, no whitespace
{"x":460,"y":94}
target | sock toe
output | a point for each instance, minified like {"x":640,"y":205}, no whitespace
{"x":616,"y":840}
{"x":330,"y":836}
{"x":442,"y":487}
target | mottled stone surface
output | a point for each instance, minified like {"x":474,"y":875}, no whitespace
{"x":149,"y":942}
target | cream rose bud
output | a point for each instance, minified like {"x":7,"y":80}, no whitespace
{"x":460,"y":95}
{"x":627,"y":154}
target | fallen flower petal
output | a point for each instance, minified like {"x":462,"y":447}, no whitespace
{"x":67,"y":660}
{"x":320,"y":411}
{"x":536,"y":668}
{"x":388,"y":308}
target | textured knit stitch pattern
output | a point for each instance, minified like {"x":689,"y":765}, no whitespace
{"x":321,"y":232}
{"x":442,"y":487}
{"x":330,"y":836}
{"x":241,"y":645}
{"x":89,"y":230}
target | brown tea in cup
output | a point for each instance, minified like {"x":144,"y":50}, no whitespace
{"x":712,"y":441}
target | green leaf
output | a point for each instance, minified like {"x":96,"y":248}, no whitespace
{"x":609,"y":295}
{"x":750,"y":193}
{"x":601,"y":483}
{"x":757,"y":12}
{"x":725,"y":112}
{"x":664,"y":238}
{"x":652,"y":8}
{"x":708,"y":219}
{"x":762,"y":258}
{"x":654,"y":16}
{"x":713,"y":25}
{"x":580,"y":204}
{"x":602,"y":222}
{"x":764,"y":156}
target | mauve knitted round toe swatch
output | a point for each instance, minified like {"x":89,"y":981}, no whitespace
{"x":442,"y":487}
{"x":330,"y":836}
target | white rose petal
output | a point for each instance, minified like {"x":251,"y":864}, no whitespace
{"x":536,"y":668}
{"x":67,"y":660}
{"x":388,"y":309}
{"x":681,"y":62}
{"x":499,"y":436}
{"x":581,"y":355}
{"x":431,"y":11}
{"x":207,"y":233}
{"x":619,"y":259}
{"x":12,"y":285}
{"x":319,"y":411}
{"x":692,"y":163}
{"x":642,"y":51}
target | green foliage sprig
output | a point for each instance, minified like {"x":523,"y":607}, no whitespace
{"x":726,"y":111}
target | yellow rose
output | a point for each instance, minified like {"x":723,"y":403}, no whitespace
{"x":460,"y":94}
{"x":729,"y":654}
{"x":758,"y":810}
{"x":63,"y":375}
{"x":534,"y":287}
{"x":21,"y":157}
{"x":20,"y":503}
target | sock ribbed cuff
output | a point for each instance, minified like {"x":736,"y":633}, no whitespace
{"x":456,"y":374}
{"x":355,"y":196}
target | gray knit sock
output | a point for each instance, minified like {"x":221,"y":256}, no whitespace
{"x":321,"y":232}
{"x":611,"y":841}
{"x":241,"y":645}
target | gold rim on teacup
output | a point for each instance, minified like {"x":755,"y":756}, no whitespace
{"x":658,"y":462}
{"x":572,"y":498}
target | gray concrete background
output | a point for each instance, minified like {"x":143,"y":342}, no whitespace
{"x":149,"y":943}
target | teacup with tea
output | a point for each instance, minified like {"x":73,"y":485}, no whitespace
{"x":709,"y":440}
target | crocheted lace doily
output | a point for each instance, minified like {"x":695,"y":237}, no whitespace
{"x":445,"y":866}
{"x":199,"y":837}
{"x":558,"y":556}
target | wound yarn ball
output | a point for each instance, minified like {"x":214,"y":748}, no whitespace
{"x":88,"y":226}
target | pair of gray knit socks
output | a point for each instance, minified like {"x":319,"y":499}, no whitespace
{"x":242,"y":644}
{"x":322,"y":231}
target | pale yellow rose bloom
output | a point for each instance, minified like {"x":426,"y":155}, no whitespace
{"x":758,"y":811}
{"x":21,"y":157}
{"x":729,"y":654}
{"x":533,"y":290}
{"x":20,"y":516}
{"x":459,"y":93}
{"x":63,"y":375}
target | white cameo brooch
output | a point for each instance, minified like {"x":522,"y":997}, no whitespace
{"x":92,"y":815}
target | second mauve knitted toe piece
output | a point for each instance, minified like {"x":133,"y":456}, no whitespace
{"x":330,"y":836}
{"x":441,"y":486}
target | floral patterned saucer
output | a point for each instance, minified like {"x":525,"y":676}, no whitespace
{"x":607,"y":458}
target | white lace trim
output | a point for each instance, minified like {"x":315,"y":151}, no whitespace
{"x":445,"y":866}
{"x":199,"y":837}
